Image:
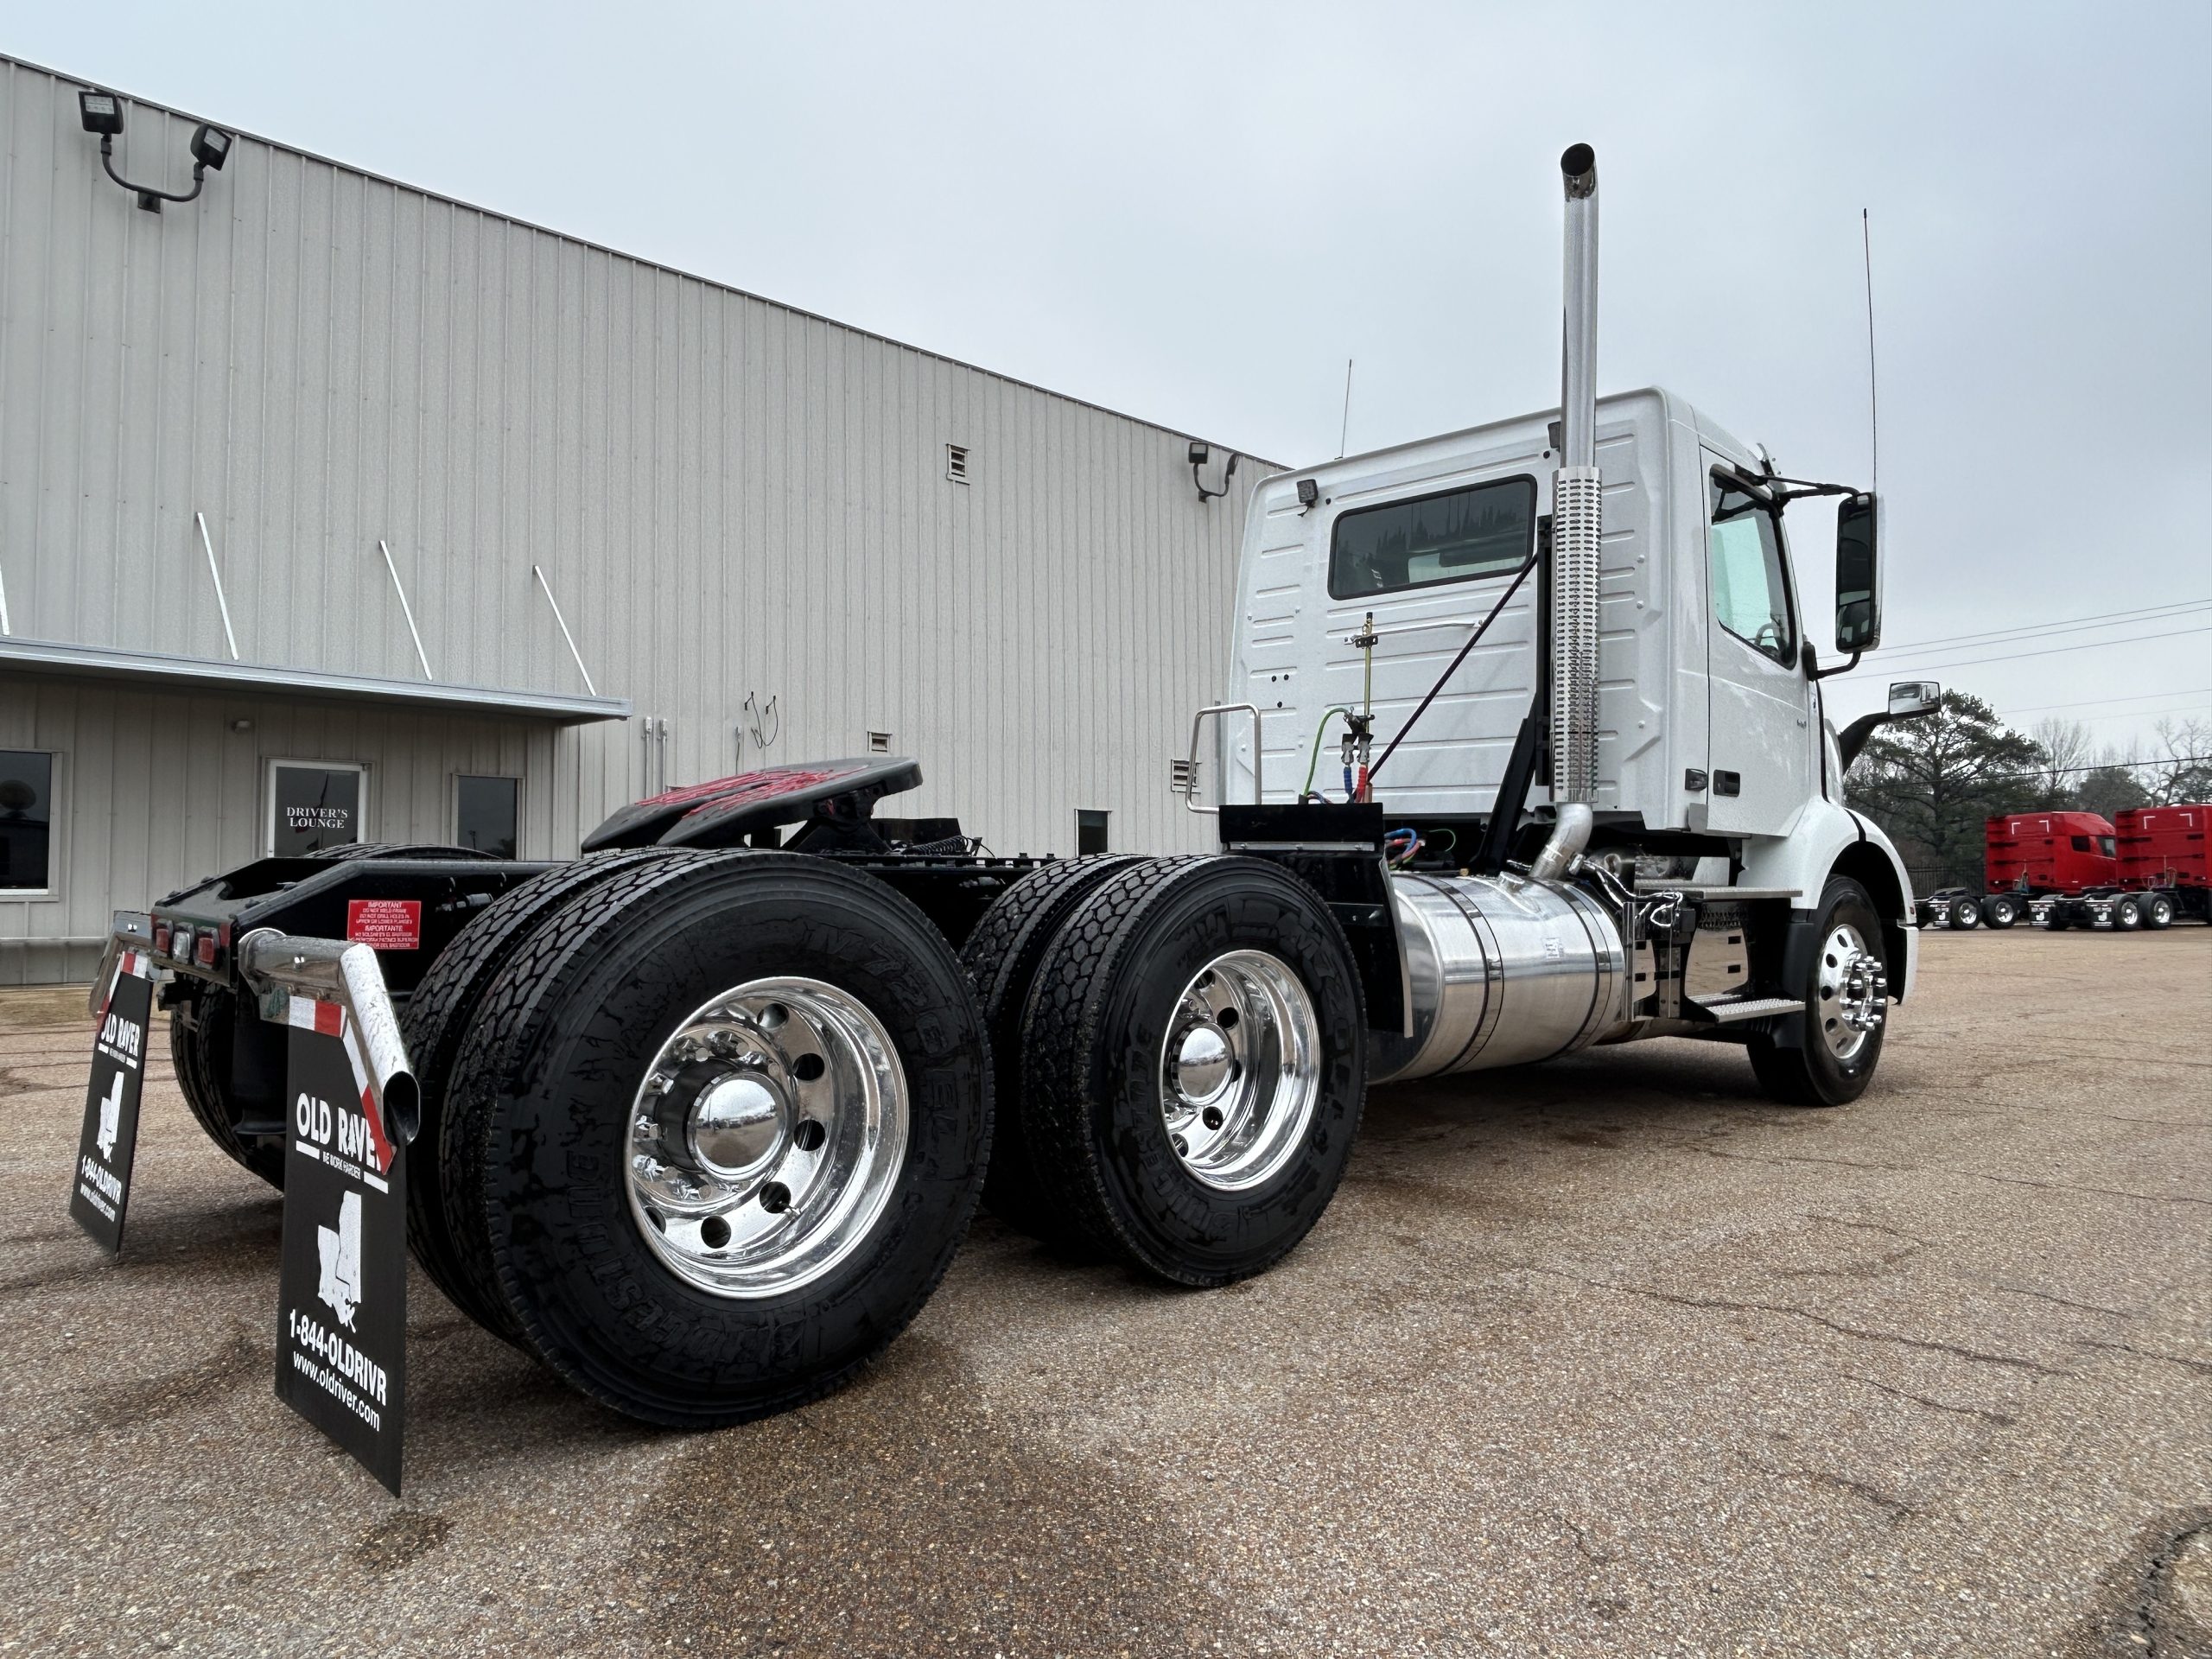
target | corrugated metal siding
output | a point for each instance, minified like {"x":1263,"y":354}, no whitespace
{"x":726,"y":495}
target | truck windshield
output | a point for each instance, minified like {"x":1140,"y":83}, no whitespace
{"x":1750,"y":597}
{"x":1484,"y":530}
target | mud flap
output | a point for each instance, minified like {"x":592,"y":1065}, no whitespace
{"x":341,"y":1321}
{"x":109,"y":1143}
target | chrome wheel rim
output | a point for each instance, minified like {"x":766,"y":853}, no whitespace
{"x":1240,"y":1071}
{"x":1853,"y":993}
{"x":766,"y":1137}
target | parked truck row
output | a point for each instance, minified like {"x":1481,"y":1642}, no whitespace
{"x":2078,"y":869}
{"x":698,"y":1118}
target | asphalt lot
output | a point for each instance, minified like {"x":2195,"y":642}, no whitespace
{"x":1604,"y":1357}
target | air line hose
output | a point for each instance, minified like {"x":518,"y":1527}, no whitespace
{"x":1314,"y":764}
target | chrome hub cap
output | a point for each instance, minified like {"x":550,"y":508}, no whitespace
{"x":766,"y":1137}
{"x":1240,"y":1070}
{"x":1854,"y":993}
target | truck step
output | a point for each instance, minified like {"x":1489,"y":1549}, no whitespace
{"x":1727,"y":1010}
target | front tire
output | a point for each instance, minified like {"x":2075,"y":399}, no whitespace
{"x":695,"y":1051}
{"x":1847,"y":1008}
{"x":1196,"y":1066}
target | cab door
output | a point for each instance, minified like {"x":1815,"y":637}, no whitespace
{"x":1759,"y":758}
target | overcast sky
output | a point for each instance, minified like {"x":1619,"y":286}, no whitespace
{"x":1195,"y":214}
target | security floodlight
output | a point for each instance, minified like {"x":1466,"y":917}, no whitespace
{"x":1201,"y":454}
{"x":211,"y":146}
{"x":1309,"y":491}
{"x":101,"y":113}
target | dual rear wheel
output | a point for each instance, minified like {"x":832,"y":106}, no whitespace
{"x":1181,"y":1059}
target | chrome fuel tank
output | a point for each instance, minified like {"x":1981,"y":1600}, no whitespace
{"x":1501,"y":970}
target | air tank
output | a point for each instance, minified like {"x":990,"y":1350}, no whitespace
{"x":1501,"y":970}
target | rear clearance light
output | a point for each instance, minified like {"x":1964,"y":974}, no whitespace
{"x":161,"y":939}
{"x":205,"y":954}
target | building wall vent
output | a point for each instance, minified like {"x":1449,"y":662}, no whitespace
{"x":879,"y":742}
{"x":955,"y":462}
{"x":1183,"y":777}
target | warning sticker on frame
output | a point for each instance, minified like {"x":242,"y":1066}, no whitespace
{"x":384,"y":924}
{"x":341,"y":1320}
{"x":100,"y":1187}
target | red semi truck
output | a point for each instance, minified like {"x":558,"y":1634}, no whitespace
{"x":2162,"y":871}
{"x":2026,"y":855}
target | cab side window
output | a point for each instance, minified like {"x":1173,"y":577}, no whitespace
{"x":1750,"y":597}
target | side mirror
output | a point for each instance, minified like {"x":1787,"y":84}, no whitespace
{"x":1858,"y":576}
{"x":1910,"y":699}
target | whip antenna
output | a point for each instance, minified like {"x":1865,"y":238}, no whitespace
{"x":1873,"y":406}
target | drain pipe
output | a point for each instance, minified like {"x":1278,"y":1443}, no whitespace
{"x":1577,"y":523}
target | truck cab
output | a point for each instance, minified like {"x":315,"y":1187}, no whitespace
{"x":1363,"y":577}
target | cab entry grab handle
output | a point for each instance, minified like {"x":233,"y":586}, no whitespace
{"x":1190,"y":790}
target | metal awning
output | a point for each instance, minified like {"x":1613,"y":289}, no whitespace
{"x":156,"y":669}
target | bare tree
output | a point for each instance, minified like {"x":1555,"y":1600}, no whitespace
{"x":2065,"y":745}
{"x":2184,"y":773}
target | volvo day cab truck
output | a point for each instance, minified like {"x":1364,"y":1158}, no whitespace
{"x":698,"y":1118}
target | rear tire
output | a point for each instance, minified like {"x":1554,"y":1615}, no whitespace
{"x":436,"y":1023}
{"x":1002,"y":957}
{"x":2159,"y":913}
{"x":2002,"y":912}
{"x":1149,"y":1134}
{"x":1830,"y":1069}
{"x":200,"y":1025}
{"x":556,"y":1068}
{"x":1966,"y":914}
{"x":2127,"y":915}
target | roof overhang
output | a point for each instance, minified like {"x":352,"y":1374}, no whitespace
{"x":156,"y":670}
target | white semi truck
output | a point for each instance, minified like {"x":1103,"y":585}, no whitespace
{"x":698,"y":1118}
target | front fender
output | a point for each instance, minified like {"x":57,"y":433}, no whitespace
{"x":1829,"y":839}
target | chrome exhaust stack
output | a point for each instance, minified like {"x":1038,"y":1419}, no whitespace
{"x":1578,"y":510}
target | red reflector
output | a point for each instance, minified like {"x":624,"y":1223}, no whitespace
{"x":207,"y":955}
{"x":161,"y":938}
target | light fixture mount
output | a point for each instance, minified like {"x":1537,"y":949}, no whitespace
{"x":101,"y":113}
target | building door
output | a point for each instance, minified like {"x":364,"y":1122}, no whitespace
{"x":314,"y":804}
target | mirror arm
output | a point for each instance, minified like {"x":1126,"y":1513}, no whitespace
{"x":1840,"y":668}
{"x":1853,"y":738}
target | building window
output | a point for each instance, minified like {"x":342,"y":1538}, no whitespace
{"x":1089,"y":831}
{"x":484,"y":814}
{"x":26,"y":821}
{"x":314,"y":804}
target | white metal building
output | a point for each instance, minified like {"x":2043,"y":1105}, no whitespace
{"x":302,"y":480}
